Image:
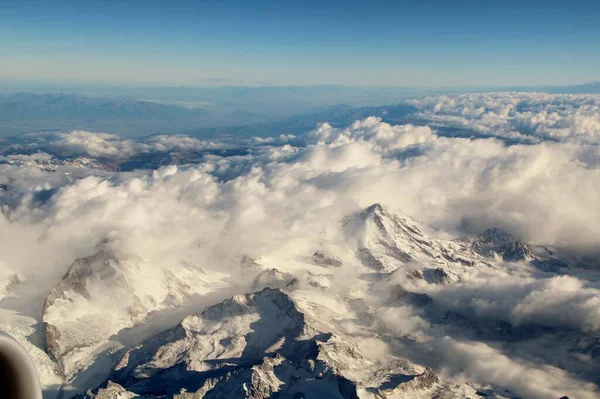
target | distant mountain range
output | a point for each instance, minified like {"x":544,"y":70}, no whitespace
{"x":27,"y":112}
{"x":209,"y":112}
{"x":71,"y":106}
{"x":337,"y":115}
{"x":586,"y":88}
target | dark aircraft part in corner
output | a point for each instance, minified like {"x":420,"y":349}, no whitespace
{"x":18,"y":375}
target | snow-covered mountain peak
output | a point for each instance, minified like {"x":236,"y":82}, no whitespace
{"x":80,"y":314}
{"x":494,"y":237}
{"x":237,"y":332}
{"x":376,"y":208}
{"x":496,"y":242}
{"x":385,"y":242}
{"x":99,"y":269}
{"x":101,"y":266}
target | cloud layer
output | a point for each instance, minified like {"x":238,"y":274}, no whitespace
{"x":530,"y":117}
{"x":289,"y":195}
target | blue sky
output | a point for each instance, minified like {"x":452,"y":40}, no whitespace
{"x":425,"y":43}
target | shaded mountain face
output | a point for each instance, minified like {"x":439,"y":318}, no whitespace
{"x":234,"y":334}
{"x":100,"y":268}
{"x":257,"y":346}
{"x":495,"y":241}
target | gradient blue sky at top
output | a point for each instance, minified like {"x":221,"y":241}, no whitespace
{"x":417,"y":43}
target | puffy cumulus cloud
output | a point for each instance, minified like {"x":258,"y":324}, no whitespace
{"x":403,"y":321}
{"x":451,"y":182}
{"x":480,"y":361}
{"x":542,"y":193}
{"x":383,"y":136}
{"x":269,"y":197}
{"x":545,"y":193}
{"x":281,"y":139}
{"x":523,"y":116}
{"x":38,"y":156}
{"x":179,"y":142}
{"x":521,"y":299}
{"x":104,"y":145}
{"x":477,"y":352}
{"x":539,"y":365}
{"x":96,"y":144}
{"x":26,"y":185}
{"x":135,"y":213}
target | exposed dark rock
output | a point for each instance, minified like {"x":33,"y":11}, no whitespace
{"x":271,"y":278}
{"x":322,"y":259}
{"x":495,"y":241}
{"x":400,"y":293}
{"x":248,"y":262}
{"x":100,"y":265}
{"x":13,"y":281}
{"x":436,"y":276}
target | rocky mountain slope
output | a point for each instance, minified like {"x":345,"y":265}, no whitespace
{"x":260,"y":346}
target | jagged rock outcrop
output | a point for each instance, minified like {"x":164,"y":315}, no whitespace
{"x":398,"y":292}
{"x":322,"y":259}
{"x":271,"y":278}
{"x":111,"y":391}
{"x":494,"y":241}
{"x":11,"y":282}
{"x":249,"y":263}
{"x":400,"y":384}
{"x":98,"y":269}
{"x":100,"y":266}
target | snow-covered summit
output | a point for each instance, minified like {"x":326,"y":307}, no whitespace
{"x":103,"y":293}
{"x":386,"y":242}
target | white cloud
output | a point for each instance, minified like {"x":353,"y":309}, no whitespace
{"x":521,"y":299}
{"x":38,"y":156}
{"x":96,"y":144}
{"x":525,"y":116}
{"x":479,"y":361}
{"x":104,"y":145}
{"x":371,"y":130}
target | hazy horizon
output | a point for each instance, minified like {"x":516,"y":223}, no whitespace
{"x":16,"y":85}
